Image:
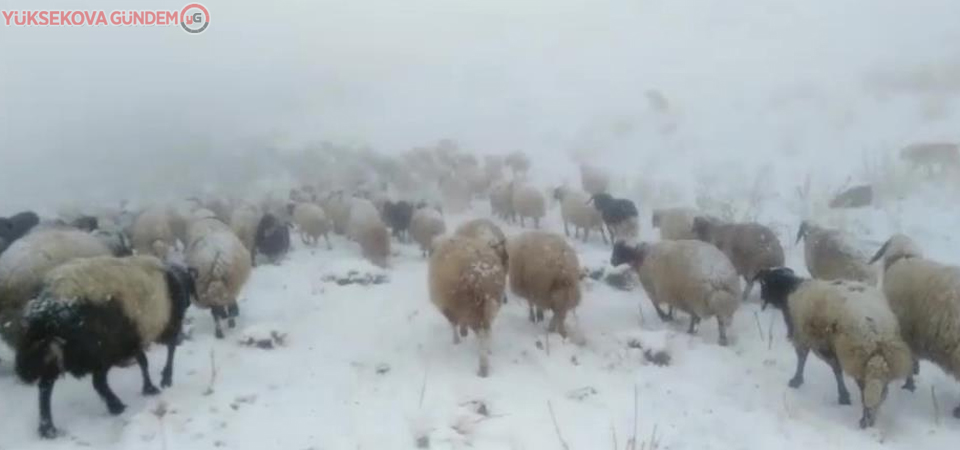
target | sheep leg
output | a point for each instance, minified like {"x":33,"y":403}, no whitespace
{"x":723,"y":332}
{"x":557,"y":323}
{"x":148,"y":387}
{"x":456,"y":333}
{"x":216,"y":313}
{"x":533,"y":317}
{"x":326,"y":237}
{"x":694,"y":321}
{"x":663,"y":316}
{"x":539,"y":314}
{"x":47,"y":429}
{"x":483,"y":339}
{"x":586,"y":234}
{"x":910,"y":384}
{"x":304,"y":238}
{"x":566,"y":230}
{"x":232,"y":312}
{"x":797,"y":379}
{"x":114,"y":405}
{"x":166,"y":379}
{"x":746,"y":291}
{"x":843,"y":396}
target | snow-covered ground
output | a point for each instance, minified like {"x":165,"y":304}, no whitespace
{"x":362,"y":367}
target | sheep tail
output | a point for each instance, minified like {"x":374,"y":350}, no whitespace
{"x":875,"y":379}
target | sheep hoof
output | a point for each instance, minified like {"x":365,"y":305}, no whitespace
{"x":219,"y":334}
{"x":150,"y":389}
{"x":483,"y":372}
{"x":167,"y":381}
{"x":796,"y":382}
{"x":116,"y":408}
{"x":844,"y":399}
{"x":866,"y":421}
{"x":910,"y":385}
{"x":48,"y":431}
{"x":723,"y":342}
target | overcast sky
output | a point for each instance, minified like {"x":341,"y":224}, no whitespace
{"x":742,"y":78}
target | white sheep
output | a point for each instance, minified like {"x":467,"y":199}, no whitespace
{"x":674,"y":223}
{"x":367,"y":229}
{"x":925,"y":296}
{"x":486,"y":231}
{"x":594,"y":180}
{"x":95,"y":313}
{"x":750,"y":246}
{"x":849,"y":325}
{"x":312,"y":222}
{"x":156,"y":231}
{"x":337,"y":209}
{"x":223,"y":266}
{"x":501,"y":201}
{"x":830,"y":256}
{"x":528,"y":202}
{"x":425,"y":225}
{"x":692,"y":276}
{"x":28,"y":260}
{"x":243,"y":222}
{"x":466,"y":282}
{"x":574,"y":209}
{"x":545,"y":271}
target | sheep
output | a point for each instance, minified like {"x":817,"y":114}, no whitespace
{"x":930,"y":154}
{"x":518,"y":162}
{"x":925,"y":297}
{"x":855,"y":197}
{"x":829,"y":256}
{"x":397,"y":215}
{"x":363,"y":213}
{"x":528,"y":202}
{"x":751,"y":247}
{"x":96,"y":313}
{"x":154,"y":232}
{"x":574,"y":209}
{"x":593,"y":180}
{"x":501,"y":201}
{"x":692,"y":276}
{"x":848,"y":325}
{"x":15,"y":227}
{"x":222,"y":266}
{"x":674,"y":223}
{"x":488,"y":232}
{"x":28,"y":260}
{"x":374,"y":240}
{"x":545,"y":271}
{"x":427,"y":223}
{"x":466,"y":282}
{"x":272,"y":238}
{"x":620,"y":216}
{"x":312,"y":223}
{"x":244,"y":221}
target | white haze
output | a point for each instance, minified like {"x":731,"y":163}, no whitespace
{"x":87,"y":112}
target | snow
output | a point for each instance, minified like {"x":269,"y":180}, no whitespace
{"x":353,"y":366}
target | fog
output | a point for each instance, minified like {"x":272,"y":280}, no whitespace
{"x":103,"y":112}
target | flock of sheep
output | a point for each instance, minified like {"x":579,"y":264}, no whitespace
{"x":89,"y":291}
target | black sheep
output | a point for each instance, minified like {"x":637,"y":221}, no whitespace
{"x":615,"y":211}
{"x":272,"y":238}
{"x":397,"y":216}
{"x":15,"y":227}
{"x":97,"y":313}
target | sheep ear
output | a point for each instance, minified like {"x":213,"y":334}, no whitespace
{"x":880,"y":252}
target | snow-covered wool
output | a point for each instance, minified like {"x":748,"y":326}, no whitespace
{"x":529,"y":203}
{"x":674,"y":223}
{"x":243,"y":222}
{"x":154,"y":233}
{"x":594,"y":180}
{"x":575,"y":210}
{"x":619,"y":214}
{"x":222,"y":265}
{"x":312,"y":222}
{"x":925,"y":296}
{"x":692,"y":276}
{"x":272,"y":238}
{"x":486,"y":231}
{"x":830,"y":256}
{"x":544,"y":270}
{"x":848,"y":325}
{"x":28,"y":260}
{"x":95,"y":313}
{"x":425,"y":225}
{"x":750,"y":246}
{"x":466,"y":282}
{"x":338,"y":210}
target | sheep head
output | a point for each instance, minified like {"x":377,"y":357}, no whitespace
{"x":704,"y":227}
{"x":624,"y":253}
{"x":776,"y":285}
